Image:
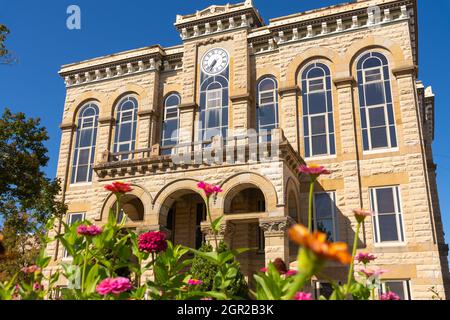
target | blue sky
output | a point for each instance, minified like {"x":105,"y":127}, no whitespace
{"x":42,"y":42}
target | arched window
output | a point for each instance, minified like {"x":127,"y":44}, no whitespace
{"x":267,"y":107}
{"x":375,"y":99}
{"x":84,"y":153}
{"x":170,"y":125}
{"x":318,"y":123}
{"x":126,"y":123}
{"x":214,"y":106}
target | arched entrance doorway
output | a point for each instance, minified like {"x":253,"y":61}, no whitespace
{"x":181,"y":214}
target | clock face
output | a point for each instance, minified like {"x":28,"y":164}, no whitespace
{"x":215,"y":61}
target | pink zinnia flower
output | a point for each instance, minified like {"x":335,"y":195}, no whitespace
{"x":389,"y":296}
{"x":114,"y":286}
{"x":263,"y":270}
{"x":152,"y":242}
{"x":119,"y":187}
{"x":88,"y":231}
{"x":31,"y":269}
{"x":194,"y":282}
{"x":364,"y":258}
{"x":37,"y":286}
{"x":313,"y":170}
{"x":361,"y":214}
{"x":290,"y":273}
{"x":209,"y":189}
{"x":303,"y":296}
{"x":372,"y":272}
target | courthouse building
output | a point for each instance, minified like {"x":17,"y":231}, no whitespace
{"x":336,"y":86}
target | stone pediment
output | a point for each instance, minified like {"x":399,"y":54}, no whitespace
{"x":212,"y":10}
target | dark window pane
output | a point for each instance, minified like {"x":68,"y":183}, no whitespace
{"x":332,"y":144}
{"x":326,"y":226}
{"x":365,"y":139}
{"x":315,"y":73}
{"x":324,"y":206}
{"x":385,"y":200}
{"x":317,"y":103}
{"x":170,"y":128}
{"x":388,"y":228}
{"x":83,"y":157}
{"x":85,"y":138}
{"x":82,"y":173}
{"x":266,"y":115}
{"x":88,"y":112}
{"x":125,"y":132}
{"x":213,"y":118}
{"x":173,"y":100}
{"x":379,"y":137}
{"x":266,"y":84}
{"x":376,"y":117}
{"x":396,"y":287}
{"x":375,"y":94}
{"x":307,"y":149}
{"x":318,"y":125}
{"x":74,"y":218}
{"x":371,"y":63}
{"x":319,"y":145}
{"x":393,"y":137}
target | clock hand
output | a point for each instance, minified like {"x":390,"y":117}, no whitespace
{"x":212,"y":64}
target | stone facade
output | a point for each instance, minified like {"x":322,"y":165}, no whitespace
{"x":262,"y":198}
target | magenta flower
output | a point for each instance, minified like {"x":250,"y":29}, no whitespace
{"x":152,"y":242}
{"x":114,"y":286}
{"x":88,"y":231}
{"x":119,"y":187}
{"x":303,"y":296}
{"x":263,"y":270}
{"x":290,"y":273}
{"x":389,"y":296}
{"x":194,"y":282}
{"x":313,"y":170}
{"x":365,"y":258}
{"x":372,"y":272}
{"x":31,"y":269}
{"x":37,"y":286}
{"x":361,"y":214}
{"x":209,"y":189}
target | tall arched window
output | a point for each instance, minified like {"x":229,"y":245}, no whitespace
{"x":318,"y":123}
{"x":375,"y":99}
{"x":84,"y":153}
{"x":126,"y":123}
{"x":267,"y":107}
{"x":170,"y":125}
{"x":214,"y":105}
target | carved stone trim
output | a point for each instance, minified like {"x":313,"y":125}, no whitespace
{"x":227,"y":229}
{"x":344,"y":82}
{"x":276,"y":226}
{"x":188,"y":106}
{"x":291,"y":90}
{"x":405,"y":71}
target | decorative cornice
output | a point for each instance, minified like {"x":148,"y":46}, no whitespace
{"x":106,"y":120}
{"x":283,"y":91}
{"x":67,"y":126}
{"x":215,"y":40}
{"x":188,"y":106}
{"x":148,"y":113}
{"x":344,"y":81}
{"x":241,"y":97}
{"x":276,"y":226}
{"x":410,"y":70}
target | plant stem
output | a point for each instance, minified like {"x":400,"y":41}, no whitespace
{"x":211,"y":223}
{"x":84,"y":266}
{"x":352,"y":264}
{"x":310,"y":208}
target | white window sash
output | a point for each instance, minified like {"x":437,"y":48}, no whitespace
{"x":326,"y":133}
{"x":386,"y":126}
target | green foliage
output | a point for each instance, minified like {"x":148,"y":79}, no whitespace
{"x":271,"y":285}
{"x":207,"y":265}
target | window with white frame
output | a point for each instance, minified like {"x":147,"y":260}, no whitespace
{"x":388,"y":220}
{"x":376,"y":104}
{"x":325,"y":214}
{"x":213,"y":105}
{"x":318,"y":122}
{"x":400,"y":287}
{"x":126,"y":125}
{"x":267,"y":107}
{"x":322,"y":288}
{"x":170,"y":125}
{"x":86,"y":137}
{"x":73,"y":218}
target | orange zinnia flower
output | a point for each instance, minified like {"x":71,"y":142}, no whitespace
{"x":318,"y":244}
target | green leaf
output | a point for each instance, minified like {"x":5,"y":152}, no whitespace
{"x":215,"y":225}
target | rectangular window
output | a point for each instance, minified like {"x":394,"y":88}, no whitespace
{"x":387,"y":221}
{"x":399,"y":287}
{"x":316,"y":84}
{"x":73,"y":218}
{"x":261,"y":240}
{"x":325,"y":214}
{"x":214,"y":99}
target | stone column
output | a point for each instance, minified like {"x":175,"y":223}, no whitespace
{"x":226,"y":231}
{"x":288,"y":115}
{"x":103,"y":146}
{"x":350,"y":149}
{"x":276,"y":238}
